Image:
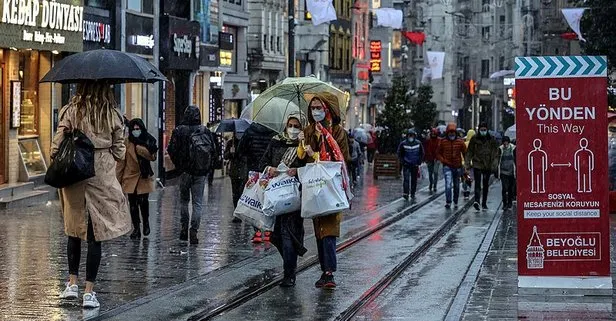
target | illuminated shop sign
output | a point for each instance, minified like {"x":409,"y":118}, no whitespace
{"x":42,"y":24}
{"x":226,"y":58}
{"x":375,"y":55}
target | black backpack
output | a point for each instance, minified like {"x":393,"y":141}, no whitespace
{"x":200,"y":152}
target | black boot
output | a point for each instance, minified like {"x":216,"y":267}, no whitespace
{"x":136,"y":233}
{"x":146,"y":228}
{"x":145,"y":214}
{"x":184,"y":233}
{"x":288,"y":281}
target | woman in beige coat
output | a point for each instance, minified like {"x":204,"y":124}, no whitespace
{"x":94,"y":210}
{"x":136,"y":175}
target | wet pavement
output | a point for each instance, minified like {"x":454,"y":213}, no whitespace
{"x":358,"y":268}
{"x":33,"y":252}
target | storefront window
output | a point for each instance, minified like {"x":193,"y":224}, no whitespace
{"x":138,"y":98}
{"x":29,"y":77}
{"x":32,"y":157}
{"x":232,"y":108}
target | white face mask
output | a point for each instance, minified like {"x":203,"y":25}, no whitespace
{"x":136,"y":132}
{"x":293,"y":132}
{"x":318,"y":114}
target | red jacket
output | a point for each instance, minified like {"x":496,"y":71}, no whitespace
{"x":373,"y":144}
{"x":431,"y":149}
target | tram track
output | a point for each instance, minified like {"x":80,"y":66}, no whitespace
{"x":255,"y":291}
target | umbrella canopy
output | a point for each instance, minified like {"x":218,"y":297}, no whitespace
{"x":233,"y":126}
{"x":291,"y":96}
{"x":103,"y":65}
{"x":510,"y":132}
{"x":367,"y":127}
{"x":361,"y":135}
{"x":274,"y":114}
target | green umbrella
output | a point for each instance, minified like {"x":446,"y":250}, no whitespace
{"x":290,"y":97}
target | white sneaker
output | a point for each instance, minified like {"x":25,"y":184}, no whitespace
{"x":90,"y":301}
{"x":71,"y":292}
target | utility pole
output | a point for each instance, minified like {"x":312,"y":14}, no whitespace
{"x":291,"y":44}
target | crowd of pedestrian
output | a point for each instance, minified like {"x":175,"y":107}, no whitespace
{"x":104,"y":206}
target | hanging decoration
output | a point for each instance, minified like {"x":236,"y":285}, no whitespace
{"x":569,"y":36}
{"x":436,"y":60}
{"x":416,"y":37}
{"x":573,"y":17}
{"x":322,"y":11}
{"x":389,"y":17}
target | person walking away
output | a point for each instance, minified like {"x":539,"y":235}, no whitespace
{"x":450,"y":153}
{"x":411,"y":154}
{"x":468,"y":174}
{"x":237,"y":172}
{"x":372,"y":146}
{"x":94,"y":210}
{"x":251,"y":148}
{"x":356,"y":156}
{"x":136,"y":176}
{"x":191,"y":150}
{"x":288,"y":235}
{"x":506,"y":171}
{"x":482,"y":159}
{"x":216,"y":158}
{"x":431,"y":149}
{"x":324,"y":119}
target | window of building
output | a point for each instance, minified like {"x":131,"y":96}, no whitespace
{"x":264,"y":42}
{"x":340,"y":51}
{"x":396,"y":40}
{"x":485,"y":68}
{"x":272,"y":42}
{"x":501,"y":63}
{"x":278,"y":44}
{"x":29,"y":77}
{"x":485,"y":33}
{"x":144,"y":6}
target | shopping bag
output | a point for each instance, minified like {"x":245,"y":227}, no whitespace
{"x":281,"y":196}
{"x":322,"y":189}
{"x":250,"y":206}
{"x":423,"y":172}
{"x":74,"y":161}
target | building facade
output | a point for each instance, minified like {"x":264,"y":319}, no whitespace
{"x":267,"y":43}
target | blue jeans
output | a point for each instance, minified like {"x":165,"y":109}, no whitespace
{"x":410,"y":173}
{"x":327,"y":253}
{"x":191,"y":186}
{"x":452,"y":180}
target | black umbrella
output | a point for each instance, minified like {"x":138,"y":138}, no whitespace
{"x":233,"y":125}
{"x":103,"y":64}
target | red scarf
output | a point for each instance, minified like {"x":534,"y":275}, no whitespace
{"x":338,"y":157}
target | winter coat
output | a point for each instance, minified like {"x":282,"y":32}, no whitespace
{"x":293,"y":222}
{"x":237,"y":164}
{"x":356,"y":151}
{"x":325,"y":225}
{"x":129,"y":173}
{"x":431,"y":149}
{"x":482,"y":153}
{"x":410,"y":154}
{"x":253,"y":144}
{"x":101,"y":197}
{"x":450,"y":152}
{"x":373,"y":144}
{"x":506,"y":160}
{"x":180,"y":144}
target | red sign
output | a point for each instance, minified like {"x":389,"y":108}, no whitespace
{"x":562,"y":168}
{"x":375,"y":55}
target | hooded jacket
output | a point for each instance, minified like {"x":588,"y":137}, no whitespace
{"x":179,"y":145}
{"x":411,"y":154}
{"x":506,"y":160}
{"x":450,"y":152}
{"x":482,"y":153}
{"x":431,"y":149}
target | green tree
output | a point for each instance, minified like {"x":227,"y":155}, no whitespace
{"x":394,"y":118}
{"x":599,"y":28}
{"x":423,"y":111}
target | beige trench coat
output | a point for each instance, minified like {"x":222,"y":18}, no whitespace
{"x":129,"y":173}
{"x":100,"y":196}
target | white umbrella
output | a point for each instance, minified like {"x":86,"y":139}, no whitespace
{"x":510,"y":132}
{"x":501,"y":73}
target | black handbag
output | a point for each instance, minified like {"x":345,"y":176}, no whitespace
{"x":74,"y":161}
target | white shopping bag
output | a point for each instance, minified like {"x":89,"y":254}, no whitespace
{"x":322,"y":189}
{"x":423,"y":172}
{"x":250,"y":206}
{"x":282,"y":194}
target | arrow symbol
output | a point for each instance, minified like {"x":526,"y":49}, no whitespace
{"x":561,"y":165}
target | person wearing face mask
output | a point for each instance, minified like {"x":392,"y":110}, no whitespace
{"x":506,"y":171}
{"x":324,"y":122}
{"x":431,"y":148}
{"x":411,"y":154}
{"x":468,"y":175}
{"x":288,"y":234}
{"x":356,"y":158}
{"x":136,"y":176}
{"x":483,"y":159}
{"x":450,"y":153}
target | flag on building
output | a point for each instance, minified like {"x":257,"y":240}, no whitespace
{"x":573,"y":17}
{"x":416,"y":37}
{"x":389,"y":17}
{"x":322,"y":11}
{"x":436,"y":60}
